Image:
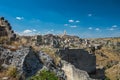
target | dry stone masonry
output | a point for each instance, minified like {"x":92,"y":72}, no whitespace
{"x":6,"y":29}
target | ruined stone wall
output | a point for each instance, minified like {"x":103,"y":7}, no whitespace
{"x":6,"y":29}
{"x":73,"y":73}
{"x":80,"y":58}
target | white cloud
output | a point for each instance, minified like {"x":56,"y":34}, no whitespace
{"x":65,"y":24}
{"x":19,"y":18}
{"x":90,"y":28}
{"x":114,"y":26}
{"x":89,"y":15}
{"x":27,"y":31}
{"x":97,"y":29}
{"x":77,"y":21}
{"x":73,"y":26}
{"x":71,"y":21}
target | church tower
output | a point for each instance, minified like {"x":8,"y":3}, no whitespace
{"x":65,"y":33}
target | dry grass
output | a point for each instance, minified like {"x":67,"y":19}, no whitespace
{"x":11,"y":73}
{"x":3,"y":39}
{"x":114,"y":72}
{"x":48,"y":50}
{"x":51,"y":52}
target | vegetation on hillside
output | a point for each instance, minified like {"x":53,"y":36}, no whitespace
{"x":44,"y":75}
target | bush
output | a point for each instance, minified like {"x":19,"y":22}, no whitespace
{"x":52,"y":53}
{"x":44,"y":75}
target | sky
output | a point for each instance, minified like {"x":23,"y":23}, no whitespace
{"x":83,"y":18}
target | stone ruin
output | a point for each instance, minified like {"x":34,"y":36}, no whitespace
{"x":6,"y":29}
{"x":81,"y":60}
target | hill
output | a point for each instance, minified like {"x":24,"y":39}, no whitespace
{"x":61,"y":56}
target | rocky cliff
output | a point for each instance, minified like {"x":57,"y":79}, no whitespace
{"x":28,"y":62}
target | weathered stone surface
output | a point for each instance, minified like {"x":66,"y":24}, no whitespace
{"x":6,"y":31}
{"x":80,"y":58}
{"x":73,"y":73}
{"x":24,"y":59}
{"x":29,"y":62}
{"x":50,"y":65}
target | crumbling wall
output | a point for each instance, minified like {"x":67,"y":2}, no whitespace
{"x":80,"y":58}
{"x":6,"y":30}
{"x":73,"y":73}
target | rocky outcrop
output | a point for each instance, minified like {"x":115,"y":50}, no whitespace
{"x":29,"y":62}
{"x":73,"y":73}
{"x":23,"y":59}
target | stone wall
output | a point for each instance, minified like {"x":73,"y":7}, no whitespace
{"x":73,"y":73}
{"x":6,"y":29}
{"x":80,"y":58}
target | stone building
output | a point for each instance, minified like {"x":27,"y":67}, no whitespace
{"x":6,"y":30}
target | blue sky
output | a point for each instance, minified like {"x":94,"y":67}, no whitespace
{"x":84,"y":18}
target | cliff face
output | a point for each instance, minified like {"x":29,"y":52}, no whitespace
{"x":23,"y":59}
{"x":28,"y":62}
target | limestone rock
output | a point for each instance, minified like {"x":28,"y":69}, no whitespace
{"x":29,"y":62}
{"x":73,"y":73}
{"x":24,"y":59}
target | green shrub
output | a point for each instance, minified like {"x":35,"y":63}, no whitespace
{"x":44,"y":75}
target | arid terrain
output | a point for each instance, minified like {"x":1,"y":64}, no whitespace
{"x":57,"y":57}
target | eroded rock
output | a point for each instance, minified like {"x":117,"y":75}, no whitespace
{"x":73,"y":73}
{"x":29,"y":62}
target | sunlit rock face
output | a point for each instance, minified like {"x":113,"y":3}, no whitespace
{"x":73,"y":73}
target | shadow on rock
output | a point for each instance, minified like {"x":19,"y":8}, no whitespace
{"x":31,"y":64}
{"x":82,"y":60}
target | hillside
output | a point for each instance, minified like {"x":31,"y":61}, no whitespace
{"x":60,"y":56}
